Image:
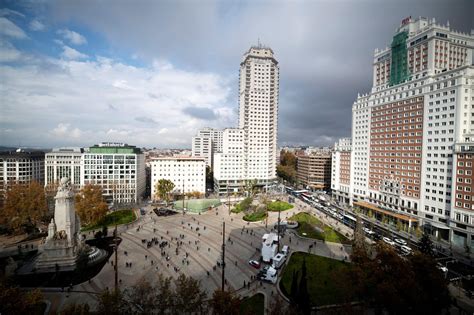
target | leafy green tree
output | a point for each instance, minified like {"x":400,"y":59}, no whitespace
{"x":250,"y":187}
{"x":142,"y":297}
{"x":16,"y":301}
{"x":163,"y":189}
{"x":76,"y":309}
{"x":224,"y":303}
{"x":394,"y":285}
{"x":112,"y":303}
{"x":24,"y":206}
{"x":164,"y":294}
{"x":90,"y":205}
{"x":188,"y":295}
{"x":426,"y":245}
{"x":287,"y":167}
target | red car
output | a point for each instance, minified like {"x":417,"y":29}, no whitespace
{"x":254,"y":264}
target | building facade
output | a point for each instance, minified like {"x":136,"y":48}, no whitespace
{"x":412,"y":135}
{"x":20,"y":166}
{"x":258,"y":120}
{"x":229,"y":165}
{"x":341,"y":170}
{"x":313,"y":170}
{"x":207,"y":142}
{"x":118,"y":168}
{"x":64,"y":162}
{"x":188,"y":174}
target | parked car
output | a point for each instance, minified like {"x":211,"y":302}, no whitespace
{"x":254,"y":264}
{"x":388,"y":241}
{"x":406,"y":250}
{"x":400,"y":241}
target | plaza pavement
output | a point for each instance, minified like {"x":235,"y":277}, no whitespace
{"x":204,"y":251}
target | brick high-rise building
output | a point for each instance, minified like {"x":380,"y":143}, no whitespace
{"x":413,"y":134}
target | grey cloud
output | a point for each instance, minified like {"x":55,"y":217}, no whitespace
{"x":325,"y":48}
{"x":200,"y":113}
{"x":146,"y":120}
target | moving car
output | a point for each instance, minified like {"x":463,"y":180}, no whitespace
{"x":400,"y":241}
{"x":254,"y":264}
{"x":388,"y":241}
{"x":368,"y":231}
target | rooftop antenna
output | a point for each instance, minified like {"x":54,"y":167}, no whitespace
{"x":259,"y":44}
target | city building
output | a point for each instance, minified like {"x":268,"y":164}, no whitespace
{"x":188,"y":174}
{"x":313,"y":170}
{"x":64,"y":162}
{"x":229,"y":165}
{"x":207,"y":142}
{"x":20,"y":166}
{"x":202,"y":148}
{"x":412,"y":135}
{"x":118,"y":168}
{"x":341,"y":170}
{"x":258,"y":117}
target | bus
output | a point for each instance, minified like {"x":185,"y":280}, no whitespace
{"x":289,"y":190}
{"x":349,"y":220}
{"x":297,"y":193}
{"x":307,"y":195}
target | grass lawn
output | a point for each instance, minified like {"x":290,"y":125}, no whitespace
{"x":279,"y":206}
{"x":116,"y":217}
{"x":308,"y":222}
{"x":322,"y":288}
{"x":253,"y":305}
{"x":244,"y":205}
{"x":255,"y":216}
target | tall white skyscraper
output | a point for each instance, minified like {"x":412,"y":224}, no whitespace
{"x":256,"y":157}
{"x":258,"y":113}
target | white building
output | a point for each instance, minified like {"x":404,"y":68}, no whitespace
{"x":207,"y":142}
{"x":202,"y":148}
{"x":229,"y":165}
{"x":64,"y":162}
{"x":258,"y":119}
{"x":188,"y":174}
{"x":341,"y":170}
{"x":118,"y":168}
{"x":412,"y":135}
{"x":20,"y":167}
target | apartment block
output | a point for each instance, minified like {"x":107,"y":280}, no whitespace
{"x":412,"y":135}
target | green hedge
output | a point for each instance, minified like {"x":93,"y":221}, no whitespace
{"x":255,"y":216}
{"x":243,"y":206}
{"x":316,"y":229}
{"x":113,"y":218}
{"x":279,"y":206}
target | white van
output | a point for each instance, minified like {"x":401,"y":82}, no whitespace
{"x":285,"y":250}
{"x":278,"y":260}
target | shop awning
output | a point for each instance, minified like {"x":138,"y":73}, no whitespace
{"x":372,"y":207}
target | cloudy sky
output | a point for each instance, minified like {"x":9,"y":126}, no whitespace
{"x":150,"y":73}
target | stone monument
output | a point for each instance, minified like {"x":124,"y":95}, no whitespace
{"x":64,"y":241}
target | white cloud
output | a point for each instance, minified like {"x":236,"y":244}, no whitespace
{"x":56,"y":102}
{"x":72,"y":54}
{"x":64,"y":131}
{"x":8,"y":52}
{"x":37,"y":26}
{"x":73,"y":37}
{"x":7,"y":12}
{"x":8,"y":28}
